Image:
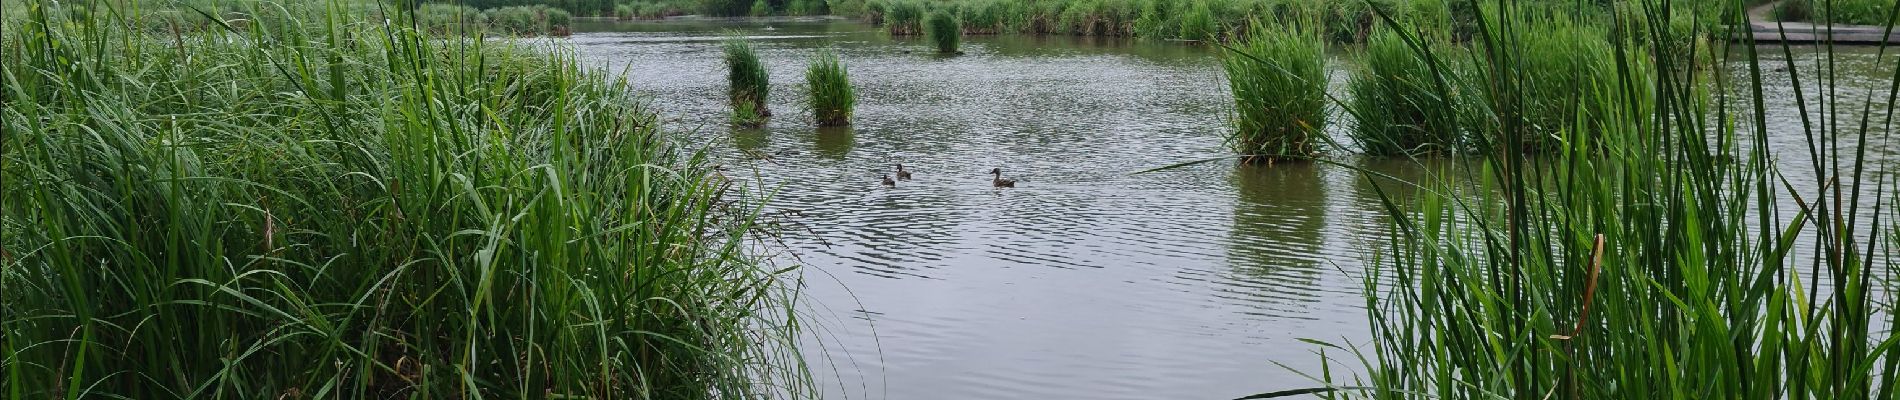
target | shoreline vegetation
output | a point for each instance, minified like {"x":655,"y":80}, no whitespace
{"x":1630,"y":234}
{"x":297,"y":201}
{"x":315,"y":204}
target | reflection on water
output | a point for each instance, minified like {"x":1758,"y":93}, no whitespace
{"x":1276,"y":240}
{"x":833,"y":142}
{"x":1087,"y":281}
{"x":750,"y":141}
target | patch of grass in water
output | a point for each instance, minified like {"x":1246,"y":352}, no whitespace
{"x":1399,"y":108}
{"x":832,"y":99}
{"x":748,"y":84}
{"x":946,"y":32}
{"x":1278,"y":80}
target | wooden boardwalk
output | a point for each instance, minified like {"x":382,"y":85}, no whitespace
{"x":1764,"y":29}
{"x":1802,"y":32}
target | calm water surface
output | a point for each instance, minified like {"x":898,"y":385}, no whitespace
{"x":1084,"y":282}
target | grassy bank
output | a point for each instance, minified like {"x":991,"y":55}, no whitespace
{"x":1339,"y":21}
{"x":1851,"y":12}
{"x":461,"y":18}
{"x":338,"y":209}
{"x":1675,"y":254}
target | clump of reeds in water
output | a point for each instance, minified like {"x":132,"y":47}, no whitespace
{"x":945,"y":31}
{"x":1690,"y":258}
{"x":357,"y":211}
{"x":1399,"y":105}
{"x":749,"y":84}
{"x":1559,"y":88}
{"x":1278,"y":79}
{"x":832,"y":98}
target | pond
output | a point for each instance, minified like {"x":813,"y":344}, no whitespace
{"x":1087,"y":280}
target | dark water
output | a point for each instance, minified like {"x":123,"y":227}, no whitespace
{"x":1086,"y":281}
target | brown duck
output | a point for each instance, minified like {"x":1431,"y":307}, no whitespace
{"x":998,"y":180}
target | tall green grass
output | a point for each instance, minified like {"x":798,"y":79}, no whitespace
{"x":832,"y":99}
{"x":1686,"y":256}
{"x":1278,"y":80}
{"x":1558,"y":83}
{"x":334,"y":208}
{"x":749,"y":84}
{"x":1205,"y":20}
{"x":1198,"y":23}
{"x":946,"y":32}
{"x":1853,"y":12}
{"x":904,"y":17}
{"x":1396,"y":101}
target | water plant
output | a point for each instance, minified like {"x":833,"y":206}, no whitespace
{"x":1398,"y":105}
{"x":1278,"y":79}
{"x":832,"y":99}
{"x":1197,"y":23}
{"x":945,"y":31}
{"x":904,"y":17}
{"x":528,"y":20}
{"x":749,"y":84}
{"x":1686,"y":257}
{"x":1557,"y":84}
{"x":360,"y":210}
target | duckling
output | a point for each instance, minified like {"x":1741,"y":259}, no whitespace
{"x":888,"y":181}
{"x":998,"y":181}
{"x":901,"y":173}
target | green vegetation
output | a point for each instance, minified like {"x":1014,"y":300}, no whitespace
{"x":465,"y":20}
{"x":1853,"y":12}
{"x":322,"y":206}
{"x":1559,"y":81}
{"x":749,"y":84}
{"x":1396,"y":102}
{"x":655,"y":9}
{"x":527,"y":20}
{"x":1670,"y":259}
{"x":832,"y":98}
{"x":903,"y":17}
{"x":1278,"y":80}
{"x":1197,"y":23}
{"x":945,"y":31}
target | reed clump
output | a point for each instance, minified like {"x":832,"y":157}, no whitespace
{"x":361,"y":210}
{"x":528,"y":20}
{"x":1557,"y":90}
{"x":1278,"y":80}
{"x":1685,"y":251}
{"x":1198,"y":23}
{"x":748,"y":84}
{"x":904,"y":17}
{"x":832,"y":99}
{"x":946,"y":32}
{"x":1400,"y":106}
